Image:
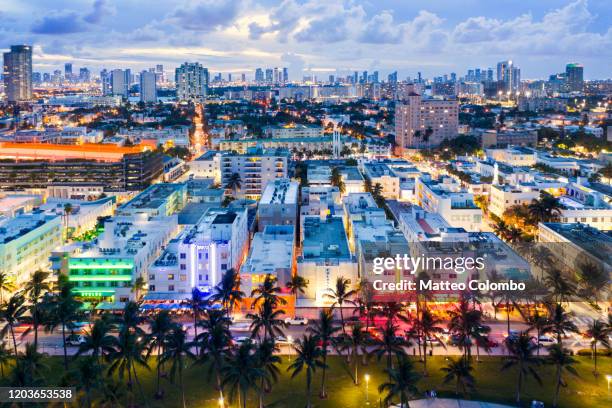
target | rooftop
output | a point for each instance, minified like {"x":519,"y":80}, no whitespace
{"x":153,"y":197}
{"x":15,"y":227}
{"x":324,"y":239}
{"x":280,"y":191}
{"x":595,"y":242}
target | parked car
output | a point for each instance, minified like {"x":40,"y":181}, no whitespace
{"x":75,"y":340}
{"x":282,"y":341}
{"x":241,"y":339}
{"x":296,"y":321}
{"x":547,"y":340}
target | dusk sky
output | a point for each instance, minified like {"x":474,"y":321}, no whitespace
{"x":432,"y":36}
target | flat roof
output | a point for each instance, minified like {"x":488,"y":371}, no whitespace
{"x":325,"y":239}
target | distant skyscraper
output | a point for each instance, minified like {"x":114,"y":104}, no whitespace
{"x":17,"y":73}
{"x":285,"y":75}
{"x":191,"y":82}
{"x":46,"y":77}
{"x":375,"y":77}
{"x":355,"y":77}
{"x":84,"y":75}
{"x":120,"y":82}
{"x":259,"y":75}
{"x":509,"y":75}
{"x":392,"y":78}
{"x":574,"y":77}
{"x":269,"y":75}
{"x":243,"y":77}
{"x":68,"y":70}
{"x":105,"y":82}
{"x":332,"y":79}
{"x":364,"y":77}
{"x":148,"y":87}
{"x":36,"y":77}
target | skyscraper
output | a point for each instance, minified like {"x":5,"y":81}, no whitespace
{"x":392,"y":78}
{"x":285,"y":75}
{"x":574,"y":77}
{"x":259,"y":75}
{"x":17,"y":73}
{"x":148,"y":87}
{"x":509,"y":75}
{"x":68,"y":71}
{"x":120,"y":82}
{"x":191,"y":82}
{"x":269,"y":75}
{"x":105,"y":82}
{"x":84,"y":75}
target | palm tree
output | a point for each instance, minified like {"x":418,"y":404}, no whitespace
{"x":176,"y":351}
{"x":521,"y":350}
{"x":389,"y":344}
{"x":128,"y":355}
{"x":501,"y":229}
{"x":357,"y":340}
{"x":29,"y":368}
{"x":460,"y":371}
{"x":592,"y":280}
{"x":65,"y":310}
{"x":545,"y":209}
{"x":563,"y":361}
{"x":234,"y":183}
{"x":138,"y":286}
{"x":98,"y":340}
{"x":561,"y":288}
{"x":67,"y":211}
{"x":599,"y":332}
{"x":214,"y":343}
{"x":12,"y":312}
{"x":6,"y":355}
{"x":296,"y":285}
{"x":89,"y":374}
{"x":466,"y":324}
{"x":7,"y":284}
{"x":540,"y":324}
{"x":309,"y":357}
{"x":429,"y":328}
{"x":324,"y":331}
{"x":159,"y":329}
{"x":560,"y":322}
{"x":341,"y":294}
{"x":242,"y":373}
{"x":267,"y":318}
{"x":268,"y":361}
{"x":268,"y":291}
{"x":131,"y":319}
{"x":196,"y":302}
{"x":402,"y":383}
{"x":228,"y":291}
{"x":35,"y":288}
{"x":377,"y":193}
{"x":335,"y":180}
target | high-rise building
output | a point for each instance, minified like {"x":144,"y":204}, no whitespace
{"x":355,"y":77}
{"x":269,"y":75}
{"x":46,"y":77}
{"x":423,"y":123}
{"x":68,"y":70}
{"x":574,"y":77}
{"x":148,"y":88}
{"x":509,"y":75}
{"x":105,"y":82}
{"x":243,"y":77}
{"x":17,"y":73}
{"x":285,"y":75}
{"x":259,"y":75}
{"x":392,"y":78}
{"x":191,"y":82}
{"x":120,"y":82}
{"x":36,"y":77}
{"x":84,"y":75}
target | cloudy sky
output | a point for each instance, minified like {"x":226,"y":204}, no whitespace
{"x":432,"y":36}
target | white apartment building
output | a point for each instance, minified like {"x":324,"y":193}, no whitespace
{"x":278,"y":204}
{"x":421,"y":123}
{"x":83,"y":215}
{"x":381,"y":173}
{"x":200,"y":255}
{"x":272,"y":252}
{"x":207,"y":165}
{"x":513,"y":156}
{"x":26,"y":241}
{"x":292,"y":130}
{"x":447,"y":198}
{"x":320,"y":201}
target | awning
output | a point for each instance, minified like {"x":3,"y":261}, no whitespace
{"x":167,"y":296}
{"x":110,"y":306}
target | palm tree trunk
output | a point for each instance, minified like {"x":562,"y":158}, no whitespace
{"x":195,"y":329}
{"x":595,"y":358}
{"x":557,"y":387}
{"x":219,"y":386}
{"x":308,"y":385}
{"x":65,"y":346}
{"x":519,"y":384}
{"x":35,"y":323}
{"x":323,"y":394}
{"x":356,"y":362}
{"x":158,"y":390}
{"x":182,"y":385}
{"x":425,"y":356}
{"x":139,"y":386}
{"x":13,"y":336}
{"x":261,"y":394}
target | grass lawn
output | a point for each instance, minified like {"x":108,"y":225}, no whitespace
{"x":491,"y":385}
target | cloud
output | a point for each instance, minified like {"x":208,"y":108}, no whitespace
{"x":337,"y":25}
{"x":206,"y":15}
{"x":100,"y":10}
{"x":381,"y":29}
{"x":283,"y":20}
{"x":66,"y":22}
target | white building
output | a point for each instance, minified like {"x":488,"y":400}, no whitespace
{"x":26,"y":241}
{"x":320,"y":201}
{"x":447,"y":198}
{"x":513,"y":156}
{"x":148,"y":87}
{"x":83,"y":215}
{"x":200,"y":255}
{"x":191,"y":82}
{"x":278,"y":204}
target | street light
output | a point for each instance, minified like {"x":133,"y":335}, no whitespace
{"x":221,"y":401}
{"x":367,"y":380}
{"x":290,"y":341}
{"x":609,"y":379}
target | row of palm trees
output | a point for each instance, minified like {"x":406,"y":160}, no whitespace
{"x":118,"y":347}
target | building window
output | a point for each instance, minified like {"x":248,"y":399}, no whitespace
{"x":223,"y":267}
{"x":183,"y":278}
{"x":183,"y":267}
{"x":171,"y":288}
{"x":183,"y":255}
{"x":151,"y":277}
{"x":170,"y":276}
{"x":152,"y":288}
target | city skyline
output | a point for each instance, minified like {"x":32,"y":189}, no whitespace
{"x":240,"y":36}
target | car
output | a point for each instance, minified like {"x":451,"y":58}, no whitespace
{"x":547,"y":340}
{"x":297,"y":321}
{"x":75,"y":340}
{"x":241,"y":326}
{"x":241,"y":339}
{"x":282,"y":341}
